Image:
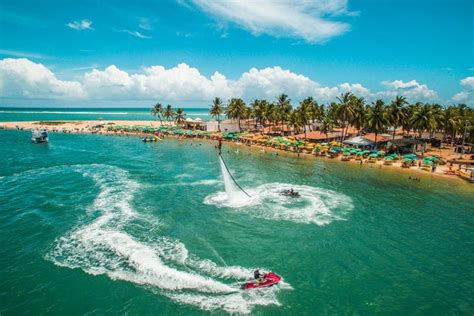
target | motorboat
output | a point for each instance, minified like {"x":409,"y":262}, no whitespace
{"x":39,"y":136}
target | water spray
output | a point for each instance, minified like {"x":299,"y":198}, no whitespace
{"x":231,"y":176}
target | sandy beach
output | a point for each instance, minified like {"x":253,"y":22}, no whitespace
{"x":100,"y":127}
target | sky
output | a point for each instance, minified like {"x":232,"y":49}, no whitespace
{"x":186,"y":52}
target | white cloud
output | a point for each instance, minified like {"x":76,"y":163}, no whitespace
{"x":145,"y":24}
{"x":467,"y":94}
{"x":271,"y":81}
{"x":17,"y":53}
{"x":311,"y":20}
{"x":136,"y":34}
{"x":21,"y":78}
{"x":468,"y":83}
{"x":461,"y":96}
{"x":412,"y":90}
{"x":80,"y":25}
{"x":356,"y":88}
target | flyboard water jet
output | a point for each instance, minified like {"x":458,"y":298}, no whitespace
{"x":232,"y":187}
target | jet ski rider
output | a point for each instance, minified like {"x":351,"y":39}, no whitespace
{"x":259,"y":276}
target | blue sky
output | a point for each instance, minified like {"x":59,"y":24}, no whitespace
{"x":377,"y":48}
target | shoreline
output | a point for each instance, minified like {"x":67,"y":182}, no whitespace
{"x":88,"y":127}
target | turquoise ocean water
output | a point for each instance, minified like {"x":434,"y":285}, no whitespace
{"x":97,"y":225}
{"x":9,"y":114}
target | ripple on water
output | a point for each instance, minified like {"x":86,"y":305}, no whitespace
{"x":313,"y":206}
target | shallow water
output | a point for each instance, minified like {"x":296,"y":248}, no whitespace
{"x":10,"y":114}
{"x":107,"y":225}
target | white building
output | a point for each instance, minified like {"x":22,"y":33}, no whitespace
{"x":226,"y":126}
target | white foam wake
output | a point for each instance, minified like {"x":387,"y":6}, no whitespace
{"x":315,"y":205}
{"x":104,"y":245}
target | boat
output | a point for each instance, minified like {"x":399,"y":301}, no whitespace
{"x":269,"y":280}
{"x":39,"y":136}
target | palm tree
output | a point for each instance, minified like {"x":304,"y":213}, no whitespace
{"x":271,"y":114}
{"x":327,"y":125}
{"x":359,"y":114}
{"x":316,"y":113}
{"x":180,"y":116}
{"x":377,"y":118}
{"x":258,"y":111}
{"x":168,"y":113}
{"x":216,"y":110}
{"x":346,"y":110}
{"x":157,"y":111}
{"x":451,"y":122}
{"x":395,"y":112}
{"x":236,"y":110}
{"x":333,"y":111}
{"x":284,"y":108}
{"x":407,"y":113}
{"x":305,"y":109}
{"x":423,"y":118}
{"x":295,"y":120}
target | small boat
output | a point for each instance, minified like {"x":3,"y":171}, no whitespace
{"x":269,"y":280}
{"x":39,"y":136}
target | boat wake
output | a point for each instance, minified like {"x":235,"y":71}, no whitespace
{"x":313,"y":206}
{"x":114,"y":240}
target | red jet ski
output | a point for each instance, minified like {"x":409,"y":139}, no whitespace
{"x":269,"y":280}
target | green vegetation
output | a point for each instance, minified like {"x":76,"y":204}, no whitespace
{"x":349,"y":111}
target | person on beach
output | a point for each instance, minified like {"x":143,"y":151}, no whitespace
{"x":219,"y":146}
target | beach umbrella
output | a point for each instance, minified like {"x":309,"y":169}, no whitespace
{"x":374,"y":155}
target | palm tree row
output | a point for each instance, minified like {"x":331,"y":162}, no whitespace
{"x":349,"y":111}
{"x":168,"y":113}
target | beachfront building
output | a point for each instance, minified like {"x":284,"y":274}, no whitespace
{"x":212,"y":126}
{"x":230,"y":126}
{"x":405,"y":146}
{"x":318,"y":137}
{"x":195,"y":124}
{"x":359,"y":141}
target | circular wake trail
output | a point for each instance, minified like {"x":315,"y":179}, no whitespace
{"x":102,"y":245}
{"x":313,"y":206}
